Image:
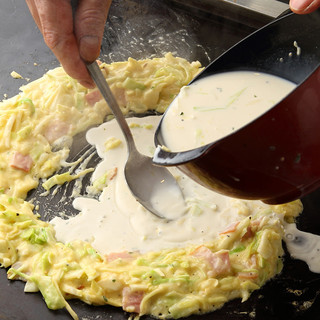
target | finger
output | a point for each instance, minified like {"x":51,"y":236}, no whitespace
{"x":90,"y":19}
{"x":34,"y":12}
{"x":56,"y":25}
{"x":304,"y":6}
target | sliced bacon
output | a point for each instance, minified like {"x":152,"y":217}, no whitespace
{"x":249,"y":234}
{"x":131,"y":300}
{"x":21,"y":162}
{"x":231,"y":228}
{"x":119,"y":255}
{"x":251,"y":229}
{"x":93,"y":97}
{"x":218,"y":261}
{"x":55,"y":130}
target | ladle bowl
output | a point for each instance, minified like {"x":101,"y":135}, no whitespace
{"x":276,"y":157}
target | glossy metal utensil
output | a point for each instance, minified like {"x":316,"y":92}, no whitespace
{"x":276,"y":157}
{"x":153,"y":186}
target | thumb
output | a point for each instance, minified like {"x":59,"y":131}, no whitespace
{"x":90,"y":19}
{"x":304,"y":6}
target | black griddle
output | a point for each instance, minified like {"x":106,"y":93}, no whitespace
{"x":144,"y":29}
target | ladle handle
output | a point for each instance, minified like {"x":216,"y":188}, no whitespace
{"x":105,"y":90}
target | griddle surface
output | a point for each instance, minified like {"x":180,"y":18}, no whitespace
{"x":143,"y":29}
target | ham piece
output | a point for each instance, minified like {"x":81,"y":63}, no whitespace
{"x":55,"y":130}
{"x":21,"y":161}
{"x":131,"y":300}
{"x":219,"y":262}
{"x":119,"y":255}
{"x":93,"y":97}
{"x":231,"y":228}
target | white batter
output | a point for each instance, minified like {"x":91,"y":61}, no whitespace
{"x":119,"y":223}
{"x":304,"y":246}
{"x":218,"y":105}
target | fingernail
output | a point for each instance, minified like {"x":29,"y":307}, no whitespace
{"x":300,"y":5}
{"x":89,"y":48}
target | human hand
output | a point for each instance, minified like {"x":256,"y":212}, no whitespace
{"x":304,"y":6}
{"x":72,"y":38}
